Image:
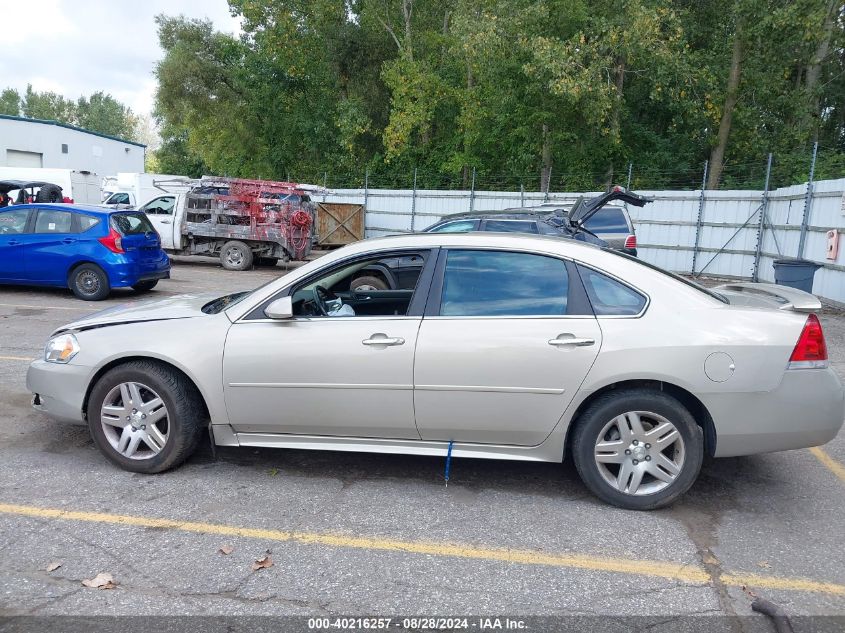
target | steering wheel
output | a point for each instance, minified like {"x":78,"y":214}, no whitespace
{"x":321,"y":295}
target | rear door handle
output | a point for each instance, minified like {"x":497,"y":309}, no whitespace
{"x":14,"y":243}
{"x":381,"y":339}
{"x":165,"y":221}
{"x":564,"y":340}
{"x":68,"y":240}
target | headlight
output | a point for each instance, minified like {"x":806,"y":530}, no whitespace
{"x":61,"y":348}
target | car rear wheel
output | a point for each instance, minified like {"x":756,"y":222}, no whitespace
{"x":367,"y":283}
{"x":236,"y":256}
{"x":144,"y":286}
{"x":145,"y":417}
{"x":89,"y":282}
{"x":637,"y":449}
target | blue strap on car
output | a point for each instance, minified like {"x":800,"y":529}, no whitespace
{"x":448,"y":461}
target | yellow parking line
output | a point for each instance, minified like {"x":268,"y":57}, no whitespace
{"x":828,"y":462}
{"x":673,"y":571}
{"x":25,"y":358}
{"x":23,"y":305}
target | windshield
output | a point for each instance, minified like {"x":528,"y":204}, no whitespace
{"x":710,"y":293}
{"x":226,"y":301}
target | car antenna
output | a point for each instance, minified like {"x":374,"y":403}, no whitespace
{"x":448,"y":462}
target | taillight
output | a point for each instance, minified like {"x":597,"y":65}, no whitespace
{"x":113,"y":242}
{"x":631,"y":241}
{"x":810,"y":351}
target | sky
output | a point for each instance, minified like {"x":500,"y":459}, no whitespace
{"x":77,"y":47}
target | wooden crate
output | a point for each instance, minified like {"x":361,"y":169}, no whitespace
{"x":338,"y":224}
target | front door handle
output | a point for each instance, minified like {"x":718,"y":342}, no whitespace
{"x":14,"y":243}
{"x":568,"y":339}
{"x":383,"y":339}
{"x":68,"y":240}
{"x":165,"y":221}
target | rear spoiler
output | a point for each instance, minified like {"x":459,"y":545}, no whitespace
{"x":770,"y":295}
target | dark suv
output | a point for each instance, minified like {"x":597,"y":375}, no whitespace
{"x":591,"y":220}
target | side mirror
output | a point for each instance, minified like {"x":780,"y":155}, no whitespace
{"x":280,"y":309}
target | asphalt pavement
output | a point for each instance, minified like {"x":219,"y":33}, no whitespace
{"x":361,"y":534}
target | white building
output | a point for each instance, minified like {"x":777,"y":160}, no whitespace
{"x":39,"y":143}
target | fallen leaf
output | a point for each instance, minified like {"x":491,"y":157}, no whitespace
{"x":273,"y":472}
{"x":226,"y":550}
{"x":100,"y":581}
{"x":262,"y":563}
{"x":764,"y":564}
{"x":54,"y":566}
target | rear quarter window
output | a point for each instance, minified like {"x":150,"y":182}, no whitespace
{"x":610,"y":297}
{"x":86,"y":222}
{"x":135,"y":223}
{"x":608,"y":220}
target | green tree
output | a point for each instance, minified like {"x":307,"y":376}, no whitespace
{"x":103,"y":113}
{"x":10,"y":102}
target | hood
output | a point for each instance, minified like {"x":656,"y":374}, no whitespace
{"x":178,"y":307}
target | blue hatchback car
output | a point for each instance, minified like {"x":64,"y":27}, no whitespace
{"x":88,"y":249}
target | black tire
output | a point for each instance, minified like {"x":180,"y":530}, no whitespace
{"x":612,"y":404}
{"x":49,"y":193}
{"x":368,"y":280}
{"x":267,"y":261}
{"x":89,"y":282}
{"x":144,"y":286}
{"x":186,"y":414}
{"x":236,"y":255}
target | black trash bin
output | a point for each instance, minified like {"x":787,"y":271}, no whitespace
{"x":796,"y":273}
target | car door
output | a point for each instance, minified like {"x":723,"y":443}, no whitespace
{"x":507,"y":340}
{"x":50,"y":247}
{"x":13,"y":228}
{"x":346,"y":376}
{"x":160,"y":211}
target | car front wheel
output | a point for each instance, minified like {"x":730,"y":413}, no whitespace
{"x":637,"y":449}
{"x":145,"y":416}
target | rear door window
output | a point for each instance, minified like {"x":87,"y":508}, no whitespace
{"x":610,"y":297}
{"x":510,"y":226}
{"x":135,"y":223}
{"x":500,"y":283}
{"x":50,"y":221}
{"x":608,"y":220}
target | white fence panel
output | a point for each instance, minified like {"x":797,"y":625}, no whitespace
{"x":666,"y":229}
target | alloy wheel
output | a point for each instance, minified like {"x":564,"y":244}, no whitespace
{"x":639,"y":453}
{"x":135,"y":420}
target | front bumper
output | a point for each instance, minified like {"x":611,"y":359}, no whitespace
{"x":58,"y":390}
{"x":806,"y":409}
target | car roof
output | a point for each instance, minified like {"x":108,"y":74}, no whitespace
{"x":85,"y":208}
{"x":534,"y":213}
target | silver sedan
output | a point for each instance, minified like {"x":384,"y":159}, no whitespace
{"x":502,"y":346}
